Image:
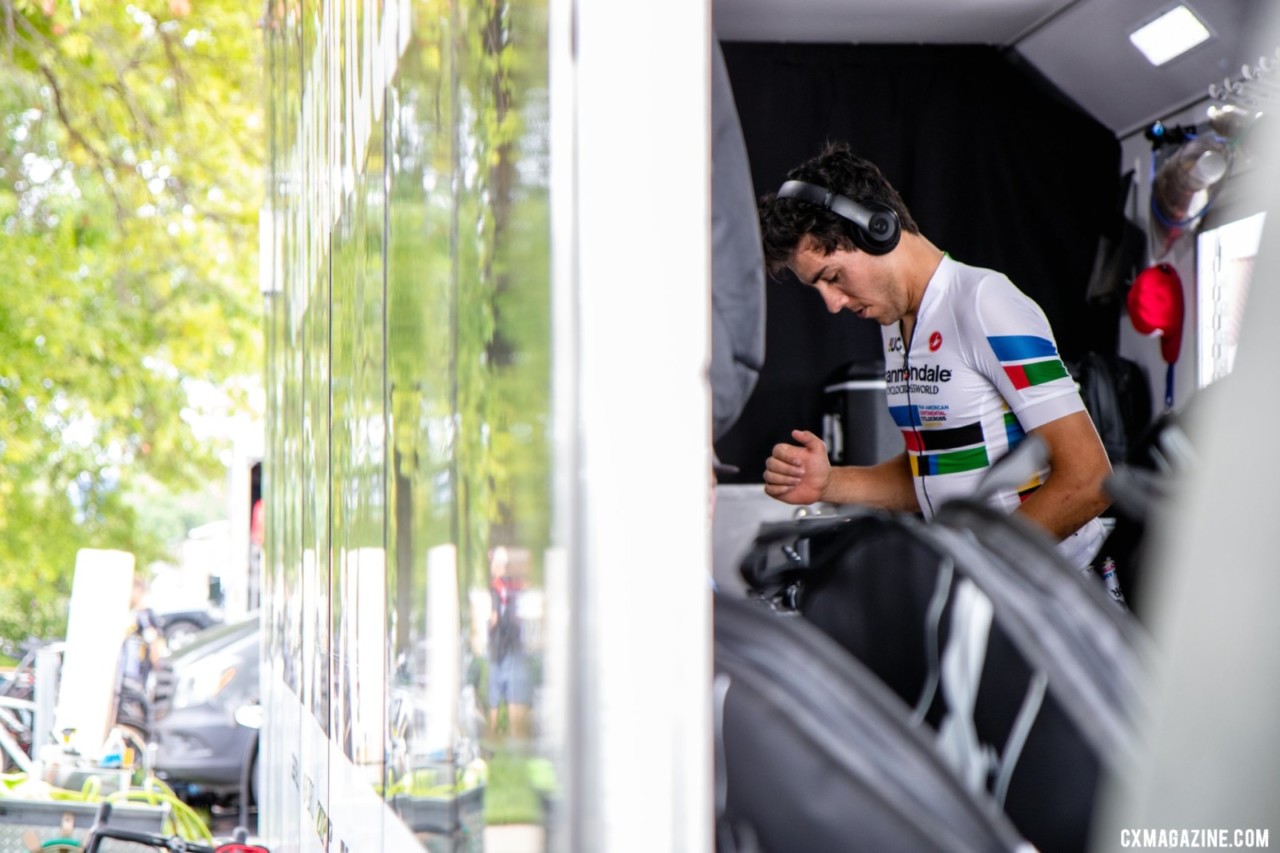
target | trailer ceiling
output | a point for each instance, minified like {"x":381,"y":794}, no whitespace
{"x":1082,"y":46}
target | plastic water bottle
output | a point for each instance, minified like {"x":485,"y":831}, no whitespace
{"x":113,"y":750}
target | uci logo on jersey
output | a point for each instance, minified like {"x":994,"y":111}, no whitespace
{"x":895,"y":344}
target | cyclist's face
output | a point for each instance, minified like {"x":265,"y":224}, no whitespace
{"x":851,"y":280}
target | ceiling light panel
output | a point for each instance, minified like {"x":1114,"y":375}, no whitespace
{"x":1170,"y":35}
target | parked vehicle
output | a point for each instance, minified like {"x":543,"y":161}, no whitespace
{"x":180,"y":627}
{"x":203,"y":752}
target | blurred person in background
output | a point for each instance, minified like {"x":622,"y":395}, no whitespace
{"x":508,"y":667}
{"x":140,"y":655}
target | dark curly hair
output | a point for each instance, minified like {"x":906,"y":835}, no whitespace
{"x":784,"y":221}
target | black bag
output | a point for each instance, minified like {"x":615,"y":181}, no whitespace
{"x":814,"y":754}
{"x":1117,"y":395}
{"x":1022,"y":670}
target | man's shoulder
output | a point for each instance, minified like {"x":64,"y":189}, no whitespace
{"x":970,"y":290}
{"x":980,"y":294}
{"x":966,"y":279}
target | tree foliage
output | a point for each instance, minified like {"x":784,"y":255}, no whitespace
{"x":130,"y":181}
{"x":468,"y":282}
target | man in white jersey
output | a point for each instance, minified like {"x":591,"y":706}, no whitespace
{"x":971,"y":366}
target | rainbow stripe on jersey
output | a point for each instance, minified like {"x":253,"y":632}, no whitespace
{"x":951,"y":450}
{"x":1028,"y":360}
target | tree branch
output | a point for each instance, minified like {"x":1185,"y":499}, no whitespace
{"x":8,"y":27}
{"x":141,"y":124}
{"x":99,"y":160}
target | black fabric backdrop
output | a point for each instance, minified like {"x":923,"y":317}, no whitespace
{"x":996,"y":166}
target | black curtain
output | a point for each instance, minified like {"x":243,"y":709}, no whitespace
{"x":997,"y":167}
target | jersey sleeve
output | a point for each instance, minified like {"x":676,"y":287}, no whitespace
{"x":1016,"y":350}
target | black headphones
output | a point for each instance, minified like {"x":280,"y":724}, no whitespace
{"x":877,"y":229}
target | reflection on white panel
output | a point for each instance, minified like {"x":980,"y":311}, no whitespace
{"x":371,"y":655}
{"x":554,"y":713}
{"x":315,"y":666}
{"x":443,"y":648}
{"x":356,"y":810}
{"x":353,"y":816}
{"x":367,"y":601}
{"x":97,"y":619}
{"x":311,"y":807}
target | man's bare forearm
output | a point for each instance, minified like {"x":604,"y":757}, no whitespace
{"x":1073,"y":494}
{"x":887,"y":485}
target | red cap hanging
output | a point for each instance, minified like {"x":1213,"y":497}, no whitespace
{"x":1155,"y":307}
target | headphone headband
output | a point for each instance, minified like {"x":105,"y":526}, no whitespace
{"x":877,"y":229}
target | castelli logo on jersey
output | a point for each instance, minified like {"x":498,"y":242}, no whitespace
{"x":935,"y":341}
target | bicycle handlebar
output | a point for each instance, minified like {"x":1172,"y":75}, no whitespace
{"x":173,"y":843}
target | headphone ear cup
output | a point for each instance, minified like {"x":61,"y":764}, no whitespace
{"x":881,"y":234}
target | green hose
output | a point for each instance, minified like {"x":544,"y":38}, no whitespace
{"x":185,"y":821}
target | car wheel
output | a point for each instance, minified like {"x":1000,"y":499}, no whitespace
{"x":132,"y":714}
{"x":179,"y":633}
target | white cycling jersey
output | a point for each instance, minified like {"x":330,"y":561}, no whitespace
{"x":981,"y":369}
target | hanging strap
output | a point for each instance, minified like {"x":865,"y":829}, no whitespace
{"x":941,"y":592}
{"x":962,"y":663}
{"x":1026,"y":718}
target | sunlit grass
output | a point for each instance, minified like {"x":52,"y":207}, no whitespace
{"x":510,"y":797}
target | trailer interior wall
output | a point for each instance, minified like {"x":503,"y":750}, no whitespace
{"x":1235,"y":199}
